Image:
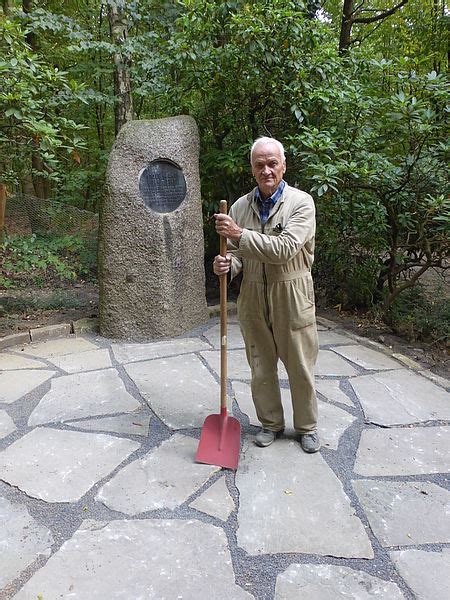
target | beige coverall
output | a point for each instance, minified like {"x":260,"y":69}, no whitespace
{"x":276,"y":303}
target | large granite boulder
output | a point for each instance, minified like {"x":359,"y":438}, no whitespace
{"x":151,"y":254}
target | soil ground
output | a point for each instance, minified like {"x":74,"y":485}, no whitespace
{"x":31,"y":308}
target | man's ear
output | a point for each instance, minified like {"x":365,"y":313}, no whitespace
{"x":284,"y":167}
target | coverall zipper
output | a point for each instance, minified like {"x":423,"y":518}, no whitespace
{"x":266,"y":299}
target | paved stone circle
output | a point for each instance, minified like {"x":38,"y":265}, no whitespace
{"x":101,"y":497}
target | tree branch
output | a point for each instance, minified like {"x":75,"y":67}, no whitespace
{"x":382,"y":15}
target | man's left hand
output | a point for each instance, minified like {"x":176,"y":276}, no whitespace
{"x":226,"y":227}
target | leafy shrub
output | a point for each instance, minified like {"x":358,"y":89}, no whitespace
{"x":41,"y":260}
{"x":419,"y":318}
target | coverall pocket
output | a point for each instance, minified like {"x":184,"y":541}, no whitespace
{"x":303,"y":310}
{"x":249,"y":303}
{"x":304,"y":318}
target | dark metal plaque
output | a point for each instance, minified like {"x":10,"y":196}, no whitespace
{"x":162,"y":186}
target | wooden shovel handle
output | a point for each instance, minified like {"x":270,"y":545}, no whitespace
{"x":223,"y":320}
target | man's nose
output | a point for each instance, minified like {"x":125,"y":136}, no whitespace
{"x":266,"y":170}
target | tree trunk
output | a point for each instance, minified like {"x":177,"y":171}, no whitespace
{"x":122,"y":80}
{"x":41,"y":184}
{"x":2,"y":210}
{"x":346,"y":26}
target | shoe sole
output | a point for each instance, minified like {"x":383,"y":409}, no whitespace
{"x":313,"y":451}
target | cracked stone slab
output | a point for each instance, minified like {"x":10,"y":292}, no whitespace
{"x":330,"y":338}
{"x":329,"y":582}
{"x":90,"y":360}
{"x":187,"y":559}
{"x":331,"y":390}
{"x":61,"y":466}
{"x":400,"y":397}
{"x":134,"y":423}
{"x":180,"y":390}
{"x":288,"y":510}
{"x":403,"y":451}
{"x":215,"y":501}
{"x":22,"y":540}
{"x":7,"y":425}
{"x":238,"y":367}
{"x":9,"y":362}
{"x":163,"y":478}
{"x":332,"y":423}
{"x":60,"y":347}
{"x":83,"y":395}
{"x":234,"y":336}
{"x":329,"y":363}
{"x":367,"y":357}
{"x":125,"y":353}
{"x":14,"y":385}
{"x":426,"y":573}
{"x":405,"y":513}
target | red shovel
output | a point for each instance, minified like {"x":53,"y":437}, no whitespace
{"x":221,"y":434}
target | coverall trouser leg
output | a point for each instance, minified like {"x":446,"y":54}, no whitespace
{"x":262,"y":357}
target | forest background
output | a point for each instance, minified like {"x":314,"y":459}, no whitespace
{"x":355,"y":89}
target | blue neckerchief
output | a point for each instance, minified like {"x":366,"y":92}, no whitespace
{"x":265,"y":206}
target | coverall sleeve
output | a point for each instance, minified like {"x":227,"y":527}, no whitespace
{"x":232,"y":248}
{"x":278,"y":249}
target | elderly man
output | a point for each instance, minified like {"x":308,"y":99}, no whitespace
{"x":270,"y":235}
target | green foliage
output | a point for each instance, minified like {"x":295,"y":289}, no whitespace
{"x":364,"y":133}
{"x":379,"y":173}
{"x":42,"y":260}
{"x":418,"y":317}
{"x":32,"y":94}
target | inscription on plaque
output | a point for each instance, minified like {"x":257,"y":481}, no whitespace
{"x":162,"y":186}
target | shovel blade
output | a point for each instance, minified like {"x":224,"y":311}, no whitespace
{"x":220,"y":442}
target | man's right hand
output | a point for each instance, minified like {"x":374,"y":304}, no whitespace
{"x":222,"y":264}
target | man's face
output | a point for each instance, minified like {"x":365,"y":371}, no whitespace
{"x":268,"y":168}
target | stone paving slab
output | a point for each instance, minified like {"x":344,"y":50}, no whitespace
{"x":234,"y":336}
{"x":125,"y":353}
{"x":281,"y":507}
{"x":90,"y":360}
{"x":270,"y":500}
{"x":215,"y":501}
{"x":22,"y":540}
{"x":366,"y":357}
{"x":7,"y":425}
{"x":180,"y":390}
{"x":331,"y":338}
{"x":395,"y":510}
{"x":403,"y":451}
{"x":61,"y":466}
{"x":401,"y":397}
{"x":135,"y":423}
{"x":83,"y":395}
{"x":330,"y":582}
{"x":151,"y":560}
{"x":8,"y":362}
{"x":14,"y":385}
{"x":163,"y":478}
{"x":330,"y":388}
{"x":60,"y":347}
{"x":426,"y":573}
{"x":329,"y":363}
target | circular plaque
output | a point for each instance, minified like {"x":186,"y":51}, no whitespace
{"x":162,"y":186}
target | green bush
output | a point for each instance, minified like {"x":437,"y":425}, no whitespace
{"x":42,"y":260}
{"x":420,"y":318}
